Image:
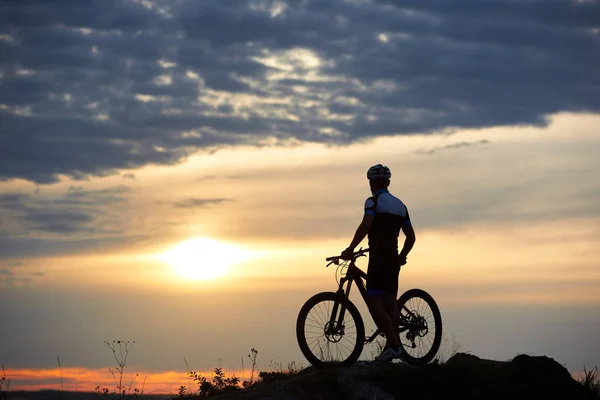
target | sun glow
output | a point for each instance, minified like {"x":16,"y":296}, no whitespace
{"x":203,"y":258}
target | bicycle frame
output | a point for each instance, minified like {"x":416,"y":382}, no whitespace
{"x":358,"y":276}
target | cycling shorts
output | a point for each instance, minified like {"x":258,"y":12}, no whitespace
{"x":382,"y":274}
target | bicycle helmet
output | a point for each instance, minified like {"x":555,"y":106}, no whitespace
{"x":379,"y":172}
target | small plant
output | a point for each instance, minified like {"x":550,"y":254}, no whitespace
{"x":277,"y":372}
{"x":4,"y":384}
{"x":447,"y":352}
{"x":181,"y":392}
{"x":120,"y":350}
{"x":591,"y":379}
{"x":252,"y":356}
{"x":101,"y":391}
{"x":62,"y":386}
{"x":219,"y":384}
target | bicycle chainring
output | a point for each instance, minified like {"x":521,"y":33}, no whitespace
{"x":417,"y":327}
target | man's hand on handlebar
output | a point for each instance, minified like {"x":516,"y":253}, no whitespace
{"x":347,"y":254}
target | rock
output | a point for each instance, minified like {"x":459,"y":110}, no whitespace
{"x":464,"y":376}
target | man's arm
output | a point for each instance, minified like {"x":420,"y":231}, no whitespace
{"x":361,"y":232}
{"x":410,"y":239}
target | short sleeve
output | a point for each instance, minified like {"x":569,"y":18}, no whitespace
{"x":370,"y":206}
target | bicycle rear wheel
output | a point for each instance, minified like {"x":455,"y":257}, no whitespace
{"x":330,"y":330}
{"x":421,"y":315}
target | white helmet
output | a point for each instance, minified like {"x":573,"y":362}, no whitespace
{"x":379,"y":172}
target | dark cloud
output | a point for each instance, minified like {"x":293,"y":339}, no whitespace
{"x":77,"y":195}
{"x":76,"y":211}
{"x":453,"y":146}
{"x":12,"y":201}
{"x":193,"y":202}
{"x":17,"y":247}
{"x":129,"y":175}
{"x":59,"y":221}
{"x":117,"y":84}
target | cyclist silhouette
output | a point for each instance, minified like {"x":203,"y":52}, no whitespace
{"x":385,"y":216}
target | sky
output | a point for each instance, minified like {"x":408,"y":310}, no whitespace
{"x":174,"y":173}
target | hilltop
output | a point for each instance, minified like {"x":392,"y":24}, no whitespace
{"x":463,"y":376}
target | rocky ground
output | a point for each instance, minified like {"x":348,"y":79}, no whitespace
{"x":464,"y":376}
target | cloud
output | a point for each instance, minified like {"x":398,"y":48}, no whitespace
{"x":453,"y":146}
{"x":193,"y":202}
{"x":16,"y":264}
{"x":129,"y":175}
{"x":20,"y":246}
{"x":76,"y":195}
{"x":205,"y":178}
{"x":12,"y":201}
{"x":10,"y":280}
{"x":76,"y":211}
{"x":211,"y":177}
{"x":16,"y":273}
{"x":59,"y":221}
{"x":121,"y":84}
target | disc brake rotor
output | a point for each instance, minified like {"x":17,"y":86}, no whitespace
{"x":333,"y":332}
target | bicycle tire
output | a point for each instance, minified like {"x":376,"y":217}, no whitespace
{"x":437,"y":319}
{"x":301,"y":325}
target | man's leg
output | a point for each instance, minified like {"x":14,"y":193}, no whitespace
{"x":391,"y":286}
{"x":383,"y":319}
{"x":391,"y":308}
{"x":376,"y":298}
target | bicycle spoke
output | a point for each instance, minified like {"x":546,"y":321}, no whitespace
{"x":321,"y":314}
{"x":314,"y":320}
{"x":345,"y":348}
{"x":314,"y":326}
{"x":313,"y":342}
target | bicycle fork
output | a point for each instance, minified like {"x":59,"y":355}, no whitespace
{"x":336,"y":322}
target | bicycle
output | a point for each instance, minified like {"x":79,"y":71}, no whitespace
{"x":330,"y":330}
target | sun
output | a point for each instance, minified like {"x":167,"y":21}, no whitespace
{"x":203,"y":258}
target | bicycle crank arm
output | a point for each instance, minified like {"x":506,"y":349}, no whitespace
{"x":373,"y":336}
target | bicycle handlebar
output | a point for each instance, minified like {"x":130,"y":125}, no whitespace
{"x":336,"y":259}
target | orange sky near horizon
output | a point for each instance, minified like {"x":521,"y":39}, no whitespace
{"x":87,"y":379}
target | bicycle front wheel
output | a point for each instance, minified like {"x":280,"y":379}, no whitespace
{"x":330,"y":330}
{"x":422,"y":320}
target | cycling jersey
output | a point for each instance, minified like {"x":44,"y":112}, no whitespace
{"x":390,"y":216}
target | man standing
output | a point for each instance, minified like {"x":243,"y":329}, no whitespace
{"x":385,"y":216}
